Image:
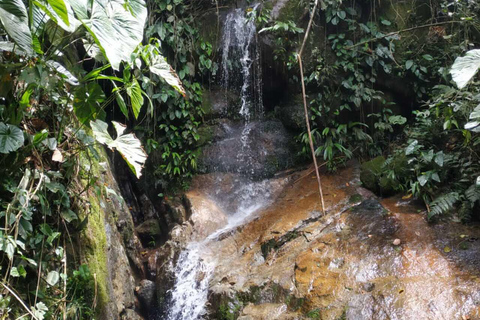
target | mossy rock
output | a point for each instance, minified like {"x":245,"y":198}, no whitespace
{"x":149,"y":228}
{"x":370,"y":173}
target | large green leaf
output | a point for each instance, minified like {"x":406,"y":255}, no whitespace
{"x":60,"y":9}
{"x":127,"y":144}
{"x":14,"y":18}
{"x":11,"y":138}
{"x":86,"y":103}
{"x":465,"y":68}
{"x":116,"y":27}
{"x":161,"y":68}
{"x":66,"y":20}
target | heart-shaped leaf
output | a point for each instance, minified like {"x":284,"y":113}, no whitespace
{"x":11,"y":138}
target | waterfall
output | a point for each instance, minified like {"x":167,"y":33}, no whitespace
{"x":241,"y":67}
{"x":241,"y":72}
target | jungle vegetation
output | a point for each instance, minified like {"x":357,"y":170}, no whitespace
{"x":77,"y":74}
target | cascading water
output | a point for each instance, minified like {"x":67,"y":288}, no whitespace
{"x":241,"y":67}
{"x":241,"y":71}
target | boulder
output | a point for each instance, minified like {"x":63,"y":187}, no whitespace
{"x":149,"y":230}
{"x":146,"y":293}
{"x":292,"y":114}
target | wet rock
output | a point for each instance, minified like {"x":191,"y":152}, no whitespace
{"x":206,"y":217}
{"x":130,"y":314}
{"x":178,"y":209}
{"x":292,"y":114}
{"x":214,"y":131}
{"x":149,"y":230}
{"x":148,"y":209}
{"x":220,"y":103}
{"x":146,"y":293}
{"x":265,"y":311}
{"x":368,"y":286}
{"x":259,"y":149}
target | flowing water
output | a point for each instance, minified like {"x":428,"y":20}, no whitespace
{"x":241,"y":72}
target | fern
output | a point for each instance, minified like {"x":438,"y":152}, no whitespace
{"x":473,"y":194}
{"x":443,"y":204}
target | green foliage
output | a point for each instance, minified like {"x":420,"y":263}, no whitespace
{"x":173,"y":132}
{"x":442,"y":156}
{"x":47,"y":100}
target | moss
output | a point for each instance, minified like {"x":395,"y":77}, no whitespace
{"x":93,"y":243}
{"x":313,"y":314}
{"x":370,"y":173}
{"x":275,"y":244}
{"x":356,"y":198}
{"x":95,"y":251}
{"x":206,"y":134}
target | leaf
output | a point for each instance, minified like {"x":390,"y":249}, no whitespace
{"x":464,"y":68}
{"x":60,"y":9}
{"x":40,"y":310}
{"x":427,"y":57}
{"x":161,"y":68}
{"x":447,"y":249}
{"x":423,"y":180}
{"x":439,"y":158}
{"x":116,"y":30}
{"x":18,"y":272}
{"x":57,"y":156}
{"x":127,"y":144}
{"x":52,"y":278}
{"x":411,"y":147}
{"x":69,"y":77}
{"x":69,"y":215}
{"x":134,"y":91}
{"x":14,"y":18}
{"x":11,"y":138}
{"x":86,"y":103}
{"x":408,"y":64}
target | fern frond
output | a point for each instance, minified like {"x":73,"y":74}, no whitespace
{"x":473,"y":194}
{"x":443,"y":204}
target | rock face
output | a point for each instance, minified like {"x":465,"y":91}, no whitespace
{"x":259,"y":148}
{"x":206,"y":215}
{"x":293,"y":263}
{"x":108,"y":245}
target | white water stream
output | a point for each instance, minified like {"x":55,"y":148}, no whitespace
{"x":241,"y":72}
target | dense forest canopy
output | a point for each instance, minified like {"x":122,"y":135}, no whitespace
{"x":398,"y":87}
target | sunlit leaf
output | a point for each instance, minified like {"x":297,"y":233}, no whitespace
{"x":127,"y":144}
{"x":465,"y":68}
{"x":161,"y":68}
{"x":117,"y":27}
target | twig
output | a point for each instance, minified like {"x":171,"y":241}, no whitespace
{"x":307,"y":121}
{"x":19,"y":300}
{"x":401,"y":31}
